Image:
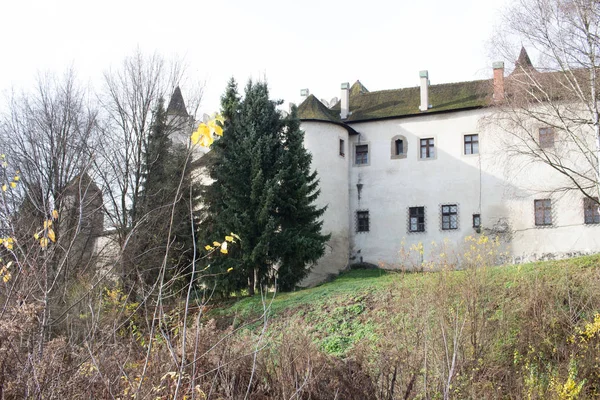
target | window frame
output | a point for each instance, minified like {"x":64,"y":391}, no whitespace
{"x":361,"y":217}
{"x":420,"y":225}
{"x":545,"y":207}
{"x":429,"y":146}
{"x":470,"y":143}
{"x":393,"y":147}
{"x":342,"y":147}
{"x":546,"y":141}
{"x":476,"y":217}
{"x":591,"y":214}
{"x":368,"y":159}
{"x":449,"y":214}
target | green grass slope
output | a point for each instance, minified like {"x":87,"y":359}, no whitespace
{"x":514,"y":331}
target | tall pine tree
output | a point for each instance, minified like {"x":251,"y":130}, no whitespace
{"x":264,"y":191}
{"x":164,"y":207}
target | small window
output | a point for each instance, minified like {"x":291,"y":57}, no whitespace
{"x":399,"y":147}
{"x":362,"y":154}
{"x":362,"y":221}
{"x":342,"y":148}
{"x":471,"y":144}
{"x":416,"y":217}
{"x":476,"y":221}
{"x":590,"y":210}
{"x":546,"y":137}
{"x":543,"y":212}
{"x":427,"y":148}
{"x":449,"y":217}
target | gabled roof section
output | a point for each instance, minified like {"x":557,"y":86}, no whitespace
{"x":358,"y":88}
{"x":312,"y":109}
{"x":177,"y":105}
{"x":523,"y":63}
{"x":398,"y":103}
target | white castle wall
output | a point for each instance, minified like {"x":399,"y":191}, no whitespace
{"x":500,"y":187}
{"x":322,"y":140}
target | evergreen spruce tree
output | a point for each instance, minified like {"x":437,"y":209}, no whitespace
{"x":299,"y":242}
{"x":259,"y":156}
{"x":165,"y":167}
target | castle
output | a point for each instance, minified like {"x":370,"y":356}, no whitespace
{"x":435,"y":164}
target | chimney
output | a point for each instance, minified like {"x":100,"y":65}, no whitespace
{"x":424,"y":75}
{"x":498,"y":80}
{"x":345,"y":101}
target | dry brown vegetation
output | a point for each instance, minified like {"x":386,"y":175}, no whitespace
{"x":530,"y":331}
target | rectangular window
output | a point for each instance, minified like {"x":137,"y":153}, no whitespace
{"x":416,"y":217}
{"x":399,"y":147}
{"x":546,"y":137}
{"x":342,"y":148}
{"x":471,"y":144}
{"x":362,"y":154}
{"x":449,"y":217}
{"x":427,"y":149}
{"x":543,"y":212}
{"x":476,"y":220}
{"x":590,"y":210}
{"x":362,"y":221}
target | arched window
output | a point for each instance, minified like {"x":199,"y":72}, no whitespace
{"x":399,"y":147}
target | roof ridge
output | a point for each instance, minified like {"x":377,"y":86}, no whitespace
{"x":417,"y":86}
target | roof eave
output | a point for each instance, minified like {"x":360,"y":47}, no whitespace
{"x":350,"y":130}
{"x":416,"y":115}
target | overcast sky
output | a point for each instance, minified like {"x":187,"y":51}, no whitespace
{"x":314,"y":44}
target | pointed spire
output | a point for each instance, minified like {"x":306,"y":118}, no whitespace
{"x":177,"y":105}
{"x":523,"y":62}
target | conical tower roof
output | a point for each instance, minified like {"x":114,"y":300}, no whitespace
{"x":523,"y":63}
{"x":177,"y":105}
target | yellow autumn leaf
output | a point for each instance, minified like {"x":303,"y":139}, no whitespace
{"x":200,"y":133}
{"x":214,"y":127}
{"x":4,"y":187}
{"x":16,"y":178}
{"x":229,"y":238}
{"x":13,"y":185}
{"x":216,"y":244}
{"x":206,"y":141}
{"x":36,"y":236}
{"x":8,"y":245}
{"x":6,"y":277}
{"x":47,"y":223}
{"x":44,"y":242}
{"x":54,"y":214}
{"x":224,"y":251}
{"x":51,"y":235}
{"x":229,"y":269}
{"x":235,"y":236}
{"x":208,"y":247}
{"x":3,"y":156}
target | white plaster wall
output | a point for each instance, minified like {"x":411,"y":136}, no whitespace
{"x":500,"y":187}
{"x":391,"y":186}
{"x":525,"y":181}
{"x":322,"y":140}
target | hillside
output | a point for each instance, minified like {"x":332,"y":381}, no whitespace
{"x":513,"y":331}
